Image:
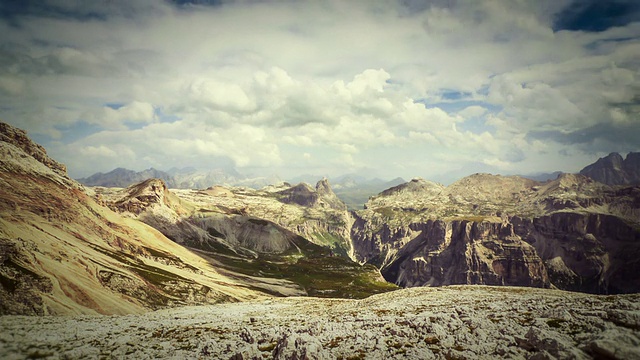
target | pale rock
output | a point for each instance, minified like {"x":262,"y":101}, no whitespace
{"x":571,"y":233}
{"x":301,"y":346}
{"x":61,"y":252}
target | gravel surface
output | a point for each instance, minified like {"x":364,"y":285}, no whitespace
{"x":454,"y":322}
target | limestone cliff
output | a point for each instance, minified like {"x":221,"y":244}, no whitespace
{"x":572,"y":233}
{"x":466,"y":252}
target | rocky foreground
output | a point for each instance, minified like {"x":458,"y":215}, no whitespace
{"x":454,"y":322}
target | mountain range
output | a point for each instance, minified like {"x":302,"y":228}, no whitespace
{"x":571,"y":233}
{"x":353,"y":189}
{"x":66,"y":248}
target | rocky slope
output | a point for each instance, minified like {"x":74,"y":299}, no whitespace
{"x":457,"y":322}
{"x":614,"y":170}
{"x":61,"y":252}
{"x":257,"y":234}
{"x":572,"y":233}
{"x":315,"y":214}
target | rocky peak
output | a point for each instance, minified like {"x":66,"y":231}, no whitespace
{"x":327,"y":196}
{"x":413,"y":187}
{"x":614,"y":170}
{"x":19,"y":138}
{"x":139,"y":197}
{"x":323,"y":187}
{"x":303,"y":194}
{"x":491,"y":183}
{"x":573,"y":180}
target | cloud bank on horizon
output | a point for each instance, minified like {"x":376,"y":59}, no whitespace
{"x":383,"y":88}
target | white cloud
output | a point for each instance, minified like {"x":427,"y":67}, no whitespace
{"x":110,"y":118}
{"x":473,"y":111}
{"x":219,"y":95}
{"x":12,"y":85}
{"x":342,"y":83}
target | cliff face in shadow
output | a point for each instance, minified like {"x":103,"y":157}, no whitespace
{"x":571,"y":233}
{"x":613,"y":169}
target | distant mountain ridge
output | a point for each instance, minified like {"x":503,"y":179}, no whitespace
{"x":121,"y":177}
{"x":542,"y":177}
{"x":614,"y":170}
{"x":174,"y":178}
{"x":353,"y":189}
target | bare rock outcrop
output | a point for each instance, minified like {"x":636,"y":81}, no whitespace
{"x":61,"y":252}
{"x":573,"y":233}
{"x":457,"y":252}
{"x":596,"y":253}
{"x":452,"y":322}
{"x":614,"y":170}
{"x":19,"y":138}
{"x":302,"y":194}
{"x":474,"y":253}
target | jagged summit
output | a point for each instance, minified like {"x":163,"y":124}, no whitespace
{"x":19,"y":138}
{"x":323,"y":187}
{"x":137,"y":198}
{"x":614,"y":170}
{"x":303,"y":194}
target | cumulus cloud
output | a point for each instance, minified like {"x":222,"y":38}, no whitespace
{"x":118,"y":118}
{"x":408,"y":88}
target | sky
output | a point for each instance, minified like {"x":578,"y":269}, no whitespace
{"x":381,"y":88}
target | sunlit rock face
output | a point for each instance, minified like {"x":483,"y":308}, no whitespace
{"x":255,"y":220}
{"x":10,"y":135}
{"x":286,"y":240}
{"x":572,"y":233}
{"x":62,"y":252}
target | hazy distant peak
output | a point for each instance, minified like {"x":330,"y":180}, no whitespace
{"x":613,"y":169}
{"x":416,"y":185}
{"x":323,"y":187}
